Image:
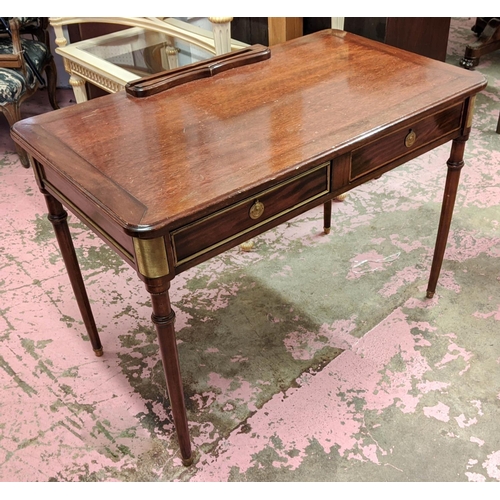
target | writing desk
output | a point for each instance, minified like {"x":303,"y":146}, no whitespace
{"x":181,"y":167}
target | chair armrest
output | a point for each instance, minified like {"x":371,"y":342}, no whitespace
{"x":15,"y":59}
{"x":16,"y":37}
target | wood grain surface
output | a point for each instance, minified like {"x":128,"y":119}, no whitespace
{"x":160,"y":161}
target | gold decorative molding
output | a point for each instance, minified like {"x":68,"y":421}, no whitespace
{"x":76,"y":81}
{"x":220,"y":20}
{"x":94,"y":77}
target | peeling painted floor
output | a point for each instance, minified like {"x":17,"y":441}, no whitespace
{"x":310,"y":358}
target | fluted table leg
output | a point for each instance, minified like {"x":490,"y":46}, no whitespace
{"x":163,"y":318}
{"x":58,"y":217}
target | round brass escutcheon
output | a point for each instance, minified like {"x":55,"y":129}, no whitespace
{"x":256,"y":210}
{"x":410,"y":139}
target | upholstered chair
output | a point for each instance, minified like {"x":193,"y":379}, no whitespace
{"x":18,"y":79}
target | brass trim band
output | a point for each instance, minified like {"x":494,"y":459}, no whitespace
{"x":151,"y":257}
{"x":470,"y":111}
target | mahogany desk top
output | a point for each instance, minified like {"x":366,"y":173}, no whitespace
{"x":169,"y":178}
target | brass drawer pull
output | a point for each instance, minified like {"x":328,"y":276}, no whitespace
{"x":410,"y":139}
{"x":256,"y":210}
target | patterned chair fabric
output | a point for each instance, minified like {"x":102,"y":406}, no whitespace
{"x":13,"y":83}
{"x":17,"y":80}
{"x":24,"y":22}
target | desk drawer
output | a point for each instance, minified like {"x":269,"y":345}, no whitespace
{"x":393,"y":146}
{"x":227,"y":224}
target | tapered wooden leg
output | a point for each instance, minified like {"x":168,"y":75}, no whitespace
{"x":163,"y":317}
{"x":327,"y":216}
{"x":455,"y":164}
{"x":58,"y":218}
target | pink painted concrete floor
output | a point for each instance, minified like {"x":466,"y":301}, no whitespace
{"x":310,"y":358}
